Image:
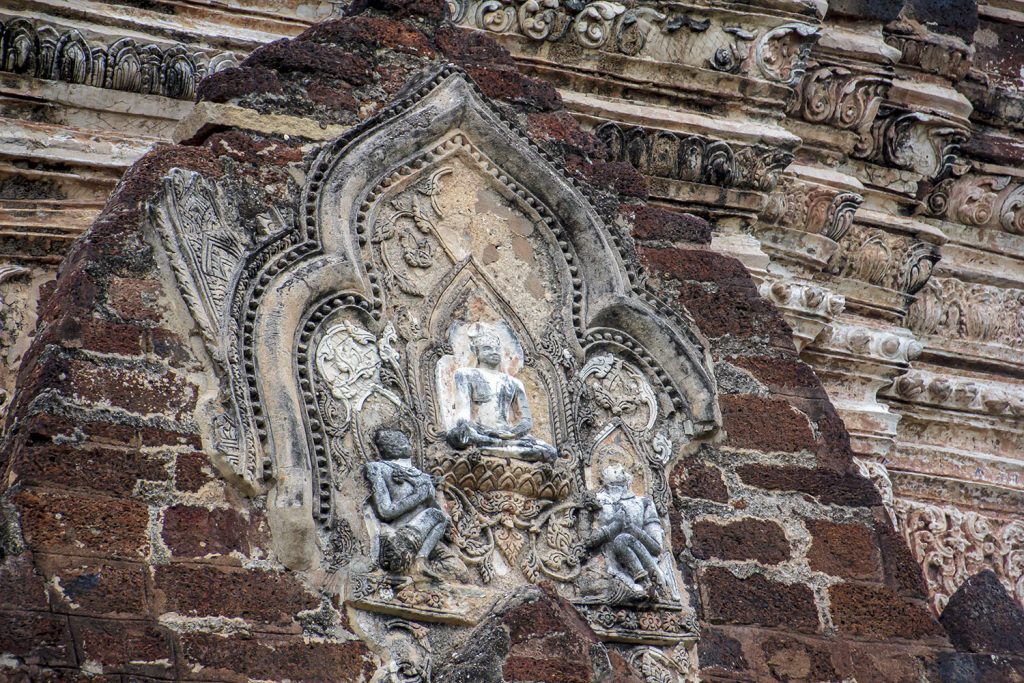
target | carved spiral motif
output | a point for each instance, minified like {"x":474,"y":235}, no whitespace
{"x":780,"y":53}
{"x":537,"y":18}
{"x":594,"y":24}
{"x":495,"y":16}
{"x":818,"y":95}
{"x":1012,"y":215}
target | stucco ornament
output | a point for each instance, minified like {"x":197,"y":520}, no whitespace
{"x":629,"y":533}
{"x":349,"y":359}
{"x":454,"y":386}
{"x":490,"y":410}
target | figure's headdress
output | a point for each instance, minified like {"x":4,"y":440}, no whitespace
{"x":616,"y":473}
{"x":481,"y":336}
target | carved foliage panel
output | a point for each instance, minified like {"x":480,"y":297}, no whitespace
{"x":952,"y":545}
{"x":897,"y":262}
{"x":969,"y":311}
{"x":984,"y":201}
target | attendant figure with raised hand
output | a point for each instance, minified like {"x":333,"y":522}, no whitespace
{"x":406,"y":500}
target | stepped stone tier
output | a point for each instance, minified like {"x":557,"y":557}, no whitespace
{"x":410,"y":341}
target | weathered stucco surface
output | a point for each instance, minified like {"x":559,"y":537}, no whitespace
{"x":814,"y":213}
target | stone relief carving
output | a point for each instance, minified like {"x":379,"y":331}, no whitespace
{"x":984,"y":201}
{"x":946,"y":60}
{"x":601,"y":25}
{"x":465,"y":359}
{"x":952,"y":545}
{"x":814,"y":209}
{"x":841,"y":98}
{"x":878,"y":474}
{"x":808,"y":308}
{"x":627,"y":531}
{"x":206,"y":247}
{"x":700,"y":37}
{"x":781,"y":54}
{"x":656,"y":667}
{"x":349,"y":359}
{"x":405,"y":498}
{"x":489,"y":407}
{"x":694,"y":158}
{"x":897,"y":262}
{"x":914,"y":141}
{"x":43,"y":52}
{"x":969,"y":311}
{"x":959,"y":393}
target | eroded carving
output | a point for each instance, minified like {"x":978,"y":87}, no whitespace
{"x":952,"y":545}
{"x":41,"y":51}
{"x":472,"y":353}
{"x":490,"y":409}
{"x":969,"y":311}
{"x":897,"y":262}
{"x":915,"y":141}
{"x":983,"y":201}
{"x":781,"y":54}
{"x":628,"y":532}
{"x":695,"y":159}
{"x":405,"y":499}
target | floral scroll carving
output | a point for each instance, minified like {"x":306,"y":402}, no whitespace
{"x":700,"y":37}
{"x":983,"y":201}
{"x":781,"y":53}
{"x":969,"y":311}
{"x":914,"y":141}
{"x":952,"y":545}
{"x":896,"y":262}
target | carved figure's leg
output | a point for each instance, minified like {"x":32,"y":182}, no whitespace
{"x":648,"y":560}
{"x":436,"y":521}
{"x":625,"y":553}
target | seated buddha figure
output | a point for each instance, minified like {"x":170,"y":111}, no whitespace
{"x":492,"y":413}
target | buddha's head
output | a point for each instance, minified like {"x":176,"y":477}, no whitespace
{"x":486,"y":346}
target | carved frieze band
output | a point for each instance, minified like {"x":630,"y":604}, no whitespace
{"x":984,"y":201}
{"x":680,"y":35}
{"x":883,"y":346}
{"x":897,"y":262}
{"x":694,"y":158}
{"x":44,"y":52}
{"x":960,"y":393}
{"x":968,"y":311}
